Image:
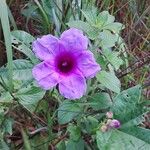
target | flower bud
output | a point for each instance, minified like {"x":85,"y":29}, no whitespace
{"x":108,"y":122}
{"x":114,"y":124}
{"x":103,"y":128}
{"x":109,"y":115}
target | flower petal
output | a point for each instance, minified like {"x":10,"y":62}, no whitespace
{"x":45,"y":75}
{"x":87,"y":64}
{"x":74,"y":39}
{"x":73,"y":86}
{"x":45,"y":47}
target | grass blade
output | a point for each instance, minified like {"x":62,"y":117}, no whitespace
{"x":43,"y":13}
{"x":7,"y":37}
{"x":12,"y":20}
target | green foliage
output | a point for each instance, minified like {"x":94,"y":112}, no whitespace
{"x":22,"y":75}
{"x":113,"y":58}
{"x":89,"y":125}
{"x":100,"y":101}
{"x":3,"y":145}
{"x":27,"y":145}
{"x":109,"y":80}
{"x":8,"y":126}
{"x":69,"y":125}
{"x":2,"y":114}
{"x":107,"y":39}
{"x":103,"y":139}
{"x":6,"y":32}
{"x":43,"y":14}
{"x":29,"y":96}
{"x":75,"y":145}
{"x":101,"y":28}
{"x":22,"y":42}
{"x":128,"y":109}
{"x":99,"y":25}
{"x":75,"y":132}
{"x":138,"y":132}
{"x":80,"y":25}
{"x":127,"y":105}
{"x":116,"y":139}
{"x":21,"y":70}
{"x":67,"y":111}
{"x":5,"y":97}
{"x":27,"y":93}
{"x":47,"y":5}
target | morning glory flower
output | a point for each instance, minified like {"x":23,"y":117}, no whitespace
{"x":114,"y":124}
{"x":66,"y":62}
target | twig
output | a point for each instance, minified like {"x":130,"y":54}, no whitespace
{"x":133,"y":67}
{"x":137,"y":22}
{"x":38,"y":130}
{"x":146,"y":85}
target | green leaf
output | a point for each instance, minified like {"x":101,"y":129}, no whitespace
{"x":138,"y":132}
{"x":114,"y":27}
{"x":67,"y":111}
{"x":102,"y":61}
{"x":30,"y":96}
{"x":113,"y":58}
{"x":135,"y":121}
{"x":23,"y":36}
{"x":126,"y":105}
{"x":128,"y":110}
{"x":80,"y":25}
{"x":61,"y":145}
{"x":22,"y":41}
{"x":104,"y":18}
{"x":89,"y":124}
{"x":75,"y":132}
{"x":22,"y":70}
{"x":7,"y":125}
{"x":103,"y":139}
{"x":93,"y":33}
{"x":107,"y":39}
{"x":109,"y":80}
{"x":114,"y":140}
{"x":100,"y":101}
{"x":90,"y":15}
{"x":79,"y":145}
{"x":3,"y":145}
{"x":5,"y":97}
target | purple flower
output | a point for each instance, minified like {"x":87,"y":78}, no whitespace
{"x":114,"y":124}
{"x":66,"y":63}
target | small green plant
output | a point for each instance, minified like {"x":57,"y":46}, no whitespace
{"x":106,"y":117}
